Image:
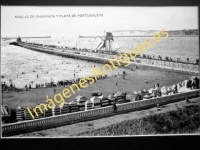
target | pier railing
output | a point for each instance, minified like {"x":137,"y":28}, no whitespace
{"x":173,"y":65}
{"x":64,"y":119}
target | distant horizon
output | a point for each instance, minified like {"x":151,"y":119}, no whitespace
{"x":99,"y":35}
{"x":72,"y":21}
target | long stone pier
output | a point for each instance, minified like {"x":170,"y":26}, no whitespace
{"x":139,"y":62}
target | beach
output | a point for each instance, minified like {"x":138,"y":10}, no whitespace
{"x":134,"y":81}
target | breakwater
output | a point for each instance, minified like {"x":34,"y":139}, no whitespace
{"x":70,"y":118}
{"x":138,"y":62}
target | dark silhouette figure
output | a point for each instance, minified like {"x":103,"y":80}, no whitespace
{"x":115,"y":107}
{"x":124,"y":74}
{"x":116,"y":83}
{"x":88,"y":83}
{"x":26,"y":87}
{"x":11,"y":85}
{"x":175,"y":89}
{"x":186,"y":100}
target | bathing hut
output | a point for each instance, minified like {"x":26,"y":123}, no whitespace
{"x":48,"y":113}
{"x":135,"y":96}
{"x":192,"y":77}
{"x":56,"y":110}
{"x":155,"y":91}
{"x":145,"y":92}
{"x":164,"y":91}
{"x":40,"y":114}
{"x":129,"y":97}
{"x":27,"y":115}
{"x":179,"y":85}
{"x":73,"y":106}
{"x":173,"y":86}
{"x":65,"y":108}
{"x":156,"y":87}
{"x":169,"y":90}
{"x":5,"y":113}
{"x":97,"y":93}
{"x":89,"y":104}
{"x":96,"y":102}
{"x":81,"y":102}
{"x":185,"y":86}
{"x":151,"y":90}
{"x":19,"y":114}
{"x":111,"y":99}
{"x":104,"y":101}
{"x":141,"y":94}
{"x":145,"y":97}
{"x":153,"y":95}
{"x":184,"y":83}
{"x":119,"y":97}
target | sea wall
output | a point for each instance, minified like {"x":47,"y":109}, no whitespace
{"x":64,"y":119}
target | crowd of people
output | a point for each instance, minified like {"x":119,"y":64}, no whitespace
{"x":8,"y":87}
{"x":193,"y":83}
{"x":4,"y":86}
{"x":62,"y":83}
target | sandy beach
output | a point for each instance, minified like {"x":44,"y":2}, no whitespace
{"x":134,"y":81}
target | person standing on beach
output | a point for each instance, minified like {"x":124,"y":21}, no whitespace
{"x":115,"y":107}
{"x":186,"y":100}
{"x":124,"y":74}
{"x":88,"y":82}
{"x":175,"y":89}
{"x":157,"y":103}
{"x":11,"y":84}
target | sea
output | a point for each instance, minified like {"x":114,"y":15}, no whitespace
{"x":22,"y":66}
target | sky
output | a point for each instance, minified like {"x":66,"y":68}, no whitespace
{"x":110,"y":18}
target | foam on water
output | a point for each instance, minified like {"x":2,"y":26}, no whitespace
{"x":23,"y":65}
